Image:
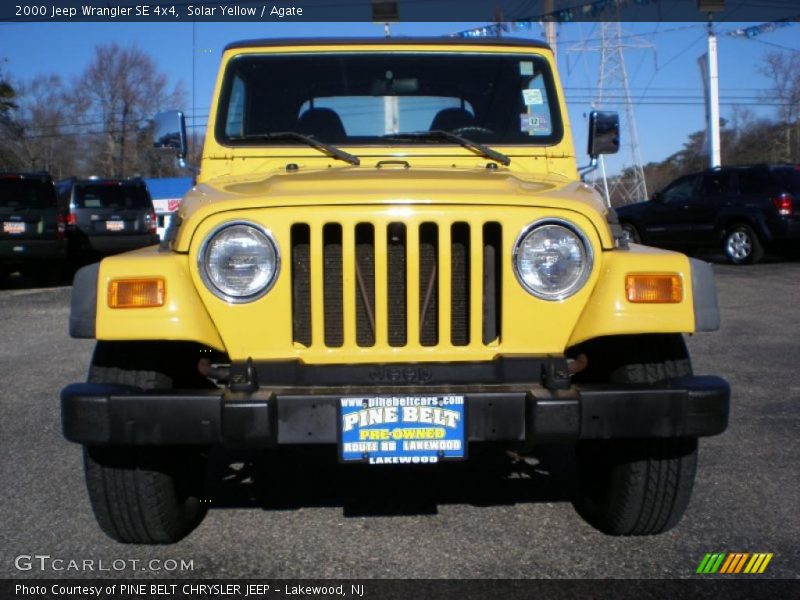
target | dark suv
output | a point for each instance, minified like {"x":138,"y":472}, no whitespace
{"x":743,"y":210}
{"x":31,"y":226}
{"x":107,"y":216}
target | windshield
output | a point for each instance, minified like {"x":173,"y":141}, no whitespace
{"x":26,"y":193}
{"x":361,"y":98}
{"x":111,"y":195}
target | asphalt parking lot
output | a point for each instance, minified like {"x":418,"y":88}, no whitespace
{"x":307,"y":517}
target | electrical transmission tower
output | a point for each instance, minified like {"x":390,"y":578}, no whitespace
{"x":613,"y":91}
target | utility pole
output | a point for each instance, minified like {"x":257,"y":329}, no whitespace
{"x":498,"y":18}
{"x":383,"y":13}
{"x":550,"y":25}
{"x":715,"y":157}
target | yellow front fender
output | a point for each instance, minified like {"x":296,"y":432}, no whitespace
{"x":182,"y":317}
{"x":608,"y":311}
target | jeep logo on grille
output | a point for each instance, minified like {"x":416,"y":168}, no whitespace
{"x":383,"y":374}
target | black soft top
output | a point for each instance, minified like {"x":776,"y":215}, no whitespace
{"x":391,"y":41}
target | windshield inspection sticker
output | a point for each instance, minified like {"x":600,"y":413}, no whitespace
{"x":526,"y":67}
{"x":533,"y":96}
{"x":533,"y":123}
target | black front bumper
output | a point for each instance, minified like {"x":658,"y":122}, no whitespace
{"x":689,"y":406}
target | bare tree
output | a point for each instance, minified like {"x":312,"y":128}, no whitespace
{"x":783,"y":70}
{"x":123,"y":90}
{"x":7,"y":95}
{"x":8,"y":127}
{"x":46,"y":124}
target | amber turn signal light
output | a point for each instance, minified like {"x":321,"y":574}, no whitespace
{"x":136,"y":293}
{"x":654,"y":287}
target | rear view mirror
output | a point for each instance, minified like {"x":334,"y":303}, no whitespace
{"x":170,"y":132}
{"x":394,"y":87}
{"x":603,"y":133}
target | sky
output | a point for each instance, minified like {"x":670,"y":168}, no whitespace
{"x":661,"y":63}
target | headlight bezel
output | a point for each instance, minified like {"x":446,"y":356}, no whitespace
{"x":209,"y":282}
{"x":579,"y":284}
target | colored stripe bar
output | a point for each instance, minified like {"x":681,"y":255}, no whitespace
{"x":765,"y":563}
{"x":755,"y":559}
{"x":715,"y":566}
{"x":741,"y":562}
{"x":703,"y":563}
{"x":728,"y":563}
{"x":713,"y":562}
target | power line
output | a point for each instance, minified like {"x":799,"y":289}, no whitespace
{"x":781,"y":46}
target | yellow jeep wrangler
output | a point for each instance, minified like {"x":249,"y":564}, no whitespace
{"x":390,"y":251}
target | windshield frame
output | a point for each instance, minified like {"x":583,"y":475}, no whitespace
{"x":554,"y":103}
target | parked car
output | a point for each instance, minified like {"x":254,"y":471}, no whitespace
{"x":31,"y":227}
{"x":108,"y":216}
{"x":743,"y":210}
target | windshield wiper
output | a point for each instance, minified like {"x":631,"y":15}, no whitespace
{"x":293,"y":135}
{"x":453,"y":137}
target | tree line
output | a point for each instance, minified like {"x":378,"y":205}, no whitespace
{"x":99,"y":123}
{"x":744,"y":137}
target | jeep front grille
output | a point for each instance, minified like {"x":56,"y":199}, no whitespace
{"x":426,"y":284}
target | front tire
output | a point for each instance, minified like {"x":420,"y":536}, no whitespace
{"x":142,"y":495}
{"x":742,"y":246}
{"x":636,"y":486}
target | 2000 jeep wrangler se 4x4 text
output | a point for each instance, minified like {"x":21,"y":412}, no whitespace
{"x":389,"y":250}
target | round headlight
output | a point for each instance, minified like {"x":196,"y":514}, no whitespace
{"x":552,"y":259}
{"x":239,"y":262}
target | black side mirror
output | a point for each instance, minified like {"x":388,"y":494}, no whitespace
{"x":657,"y":197}
{"x":170,"y":132}
{"x":603,"y":133}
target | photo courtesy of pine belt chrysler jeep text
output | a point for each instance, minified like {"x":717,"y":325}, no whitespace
{"x":389,"y":251}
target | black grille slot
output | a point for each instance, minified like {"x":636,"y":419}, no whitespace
{"x":361,"y":277}
{"x":396,"y":282}
{"x":428,"y":288}
{"x":301,"y":284}
{"x":492,"y":284}
{"x":459,"y":284}
{"x":365,"y":284}
{"x":332,"y":284}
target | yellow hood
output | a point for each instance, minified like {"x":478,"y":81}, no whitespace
{"x":378,"y":187}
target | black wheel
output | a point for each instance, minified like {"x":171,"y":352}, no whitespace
{"x":631,"y":233}
{"x":742,"y":246}
{"x":636,"y":487}
{"x":142,"y":495}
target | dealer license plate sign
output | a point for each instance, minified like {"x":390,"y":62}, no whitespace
{"x":13,"y":227}
{"x":115,"y":225}
{"x":382,"y":430}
